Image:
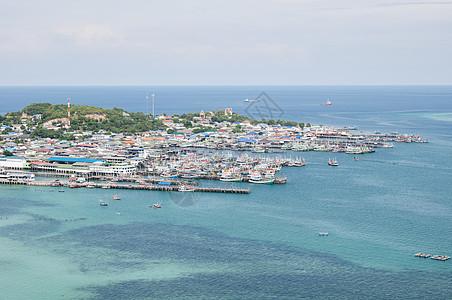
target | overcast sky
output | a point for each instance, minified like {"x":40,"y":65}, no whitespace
{"x":200,"y":42}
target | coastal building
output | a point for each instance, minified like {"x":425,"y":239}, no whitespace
{"x":13,"y":163}
{"x":124,"y":169}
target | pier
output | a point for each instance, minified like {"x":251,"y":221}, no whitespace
{"x":149,"y":187}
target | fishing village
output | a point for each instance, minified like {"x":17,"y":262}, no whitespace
{"x":174,"y":156}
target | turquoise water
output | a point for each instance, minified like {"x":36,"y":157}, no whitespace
{"x":379,"y":211}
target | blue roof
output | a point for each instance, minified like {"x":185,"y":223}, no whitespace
{"x":72,"y":159}
{"x":15,"y":157}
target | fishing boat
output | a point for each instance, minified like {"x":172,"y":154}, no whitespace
{"x":323,"y":233}
{"x":296,"y":163}
{"x":116,"y":197}
{"x":258,"y":150}
{"x":185,"y":188}
{"x":229,"y":176}
{"x":103,"y":203}
{"x":190,"y":176}
{"x":168,"y":175}
{"x":257,"y":177}
{"x":328,"y":102}
{"x":333,"y":162}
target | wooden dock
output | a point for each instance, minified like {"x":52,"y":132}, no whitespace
{"x":150,"y":187}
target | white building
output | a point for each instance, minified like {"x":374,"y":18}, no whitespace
{"x":13,"y":163}
{"x":115,"y":170}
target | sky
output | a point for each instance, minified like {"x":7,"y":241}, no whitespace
{"x":225,"y":42}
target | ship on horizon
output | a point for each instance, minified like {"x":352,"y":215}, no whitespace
{"x":328,"y":102}
{"x":251,"y":100}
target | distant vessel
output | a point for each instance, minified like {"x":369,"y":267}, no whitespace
{"x":103,"y":203}
{"x":116,"y":197}
{"x":333,"y":162}
{"x":248,"y":100}
{"x":328,"y":102}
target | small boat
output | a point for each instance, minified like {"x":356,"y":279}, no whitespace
{"x":105,"y":187}
{"x":156,"y":205}
{"x":231,"y":179}
{"x":423,"y":255}
{"x":118,"y":213}
{"x":254,"y":100}
{"x":103,"y":203}
{"x":184,"y":188}
{"x":90,"y":186}
{"x":116,"y":197}
{"x":61,"y":191}
{"x":258,"y":150}
{"x":323,"y":233}
{"x":333,"y":162}
{"x":328,"y":102}
{"x":190,"y":176}
{"x":168,"y":175}
{"x":440,"y":257}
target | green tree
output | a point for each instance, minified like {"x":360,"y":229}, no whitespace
{"x":7,"y":153}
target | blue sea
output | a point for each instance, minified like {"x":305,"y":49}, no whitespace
{"x":379,"y":211}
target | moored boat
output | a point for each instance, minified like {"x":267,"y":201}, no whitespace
{"x":257,"y":177}
{"x":185,"y":188}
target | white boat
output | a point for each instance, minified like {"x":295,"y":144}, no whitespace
{"x":254,"y":100}
{"x":229,"y":176}
{"x":103,"y":203}
{"x":328,"y":102}
{"x":333,"y":162}
{"x":116,"y":197}
{"x":184,"y":188}
{"x":256,"y":177}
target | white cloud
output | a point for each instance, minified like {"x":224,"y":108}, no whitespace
{"x":90,"y":35}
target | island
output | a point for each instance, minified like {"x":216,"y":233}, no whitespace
{"x":95,"y":147}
